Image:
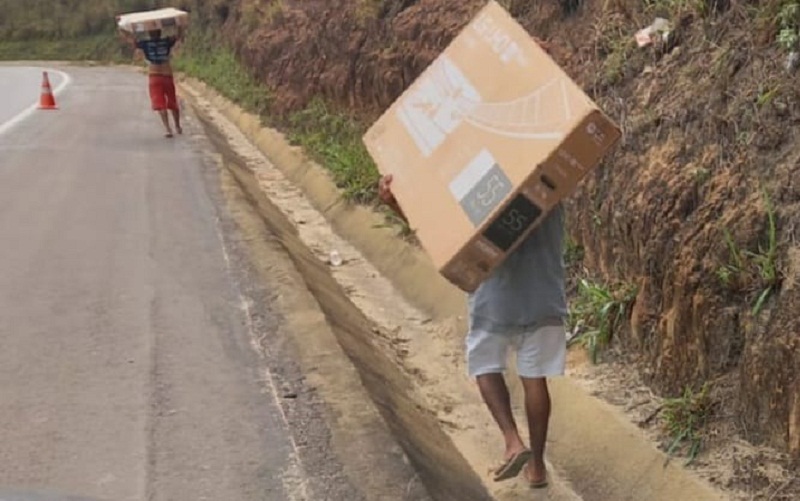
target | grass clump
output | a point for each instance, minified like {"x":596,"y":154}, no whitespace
{"x":105,"y":48}
{"x":334,"y":139}
{"x":789,"y":25}
{"x":598,"y":312}
{"x":752,"y":272}
{"x":330,"y":137}
{"x":216,"y":65}
{"x":702,"y":8}
{"x":684,"y":418}
{"x":573,"y":251}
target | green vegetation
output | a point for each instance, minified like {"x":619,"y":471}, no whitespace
{"x":684,"y":417}
{"x":614,"y":66}
{"x":329,"y":136}
{"x":767,"y":94}
{"x":783,"y":13}
{"x":615,"y":49}
{"x":74,"y":30}
{"x":217,"y":66}
{"x":25,"y":20}
{"x":702,"y":175}
{"x":676,"y":7}
{"x":95,"y":48}
{"x":753,"y":272}
{"x":728,"y":273}
{"x":789,"y":23}
{"x":599,"y":310}
{"x":573,"y":251}
{"x":85,"y":30}
{"x":332,"y":138}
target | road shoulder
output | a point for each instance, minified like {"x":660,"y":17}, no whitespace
{"x":421,"y":319}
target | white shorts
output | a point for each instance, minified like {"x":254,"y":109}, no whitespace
{"x":541,"y":352}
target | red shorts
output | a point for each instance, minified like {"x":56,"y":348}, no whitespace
{"x":162,"y":93}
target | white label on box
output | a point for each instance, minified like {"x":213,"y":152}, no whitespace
{"x":463,"y":183}
{"x":480,"y":187}
{"x":501,"y":42}
{"x":437,"y":105}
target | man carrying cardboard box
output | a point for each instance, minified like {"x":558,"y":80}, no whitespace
{"x":522,"y":305}
{"x":157,"y":51}
{"x":482,"y":149}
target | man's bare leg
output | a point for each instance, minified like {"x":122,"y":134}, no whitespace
{"x":537,"y":407}
{"x":165,"y":120}
{"x":176,"y":116}
{"x":495,"y":394}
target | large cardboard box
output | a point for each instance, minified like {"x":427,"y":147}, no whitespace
{"x":484,"y":143}
{"x":140,"y":23}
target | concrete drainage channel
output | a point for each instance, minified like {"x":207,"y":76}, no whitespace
{"x":412,"y":366}
{"x":443,"y":470}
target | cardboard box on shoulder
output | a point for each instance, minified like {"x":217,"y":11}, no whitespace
{"x":484,"y":143}
{"x":141,"y":23}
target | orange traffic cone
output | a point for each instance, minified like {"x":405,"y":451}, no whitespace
{"x":47,"y":101}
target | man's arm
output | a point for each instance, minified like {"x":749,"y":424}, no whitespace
{"x":387,"y":197}
{"x":127,"y":37}
{"x":176,"y":41}
{"x":130,"y":39}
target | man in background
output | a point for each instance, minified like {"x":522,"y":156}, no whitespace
{"x":157,"y":50}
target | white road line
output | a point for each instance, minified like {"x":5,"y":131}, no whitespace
{"x":8,"y":124}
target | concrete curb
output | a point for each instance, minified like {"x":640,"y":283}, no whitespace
{"x":614,"y":463}
{"x":359,"y":435}
{"x":402,"y":263}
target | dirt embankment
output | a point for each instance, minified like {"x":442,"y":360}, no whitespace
{"x":710,"y":122}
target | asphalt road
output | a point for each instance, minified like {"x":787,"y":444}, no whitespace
{"x":126,"y":363}
{"x":20,"y":89}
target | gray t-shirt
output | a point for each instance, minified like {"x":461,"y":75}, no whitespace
{"x":527,"y":290}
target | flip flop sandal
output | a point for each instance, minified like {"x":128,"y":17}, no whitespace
{"x":513,"y":466}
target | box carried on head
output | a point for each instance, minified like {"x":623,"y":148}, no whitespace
{"x":142,"y":23}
